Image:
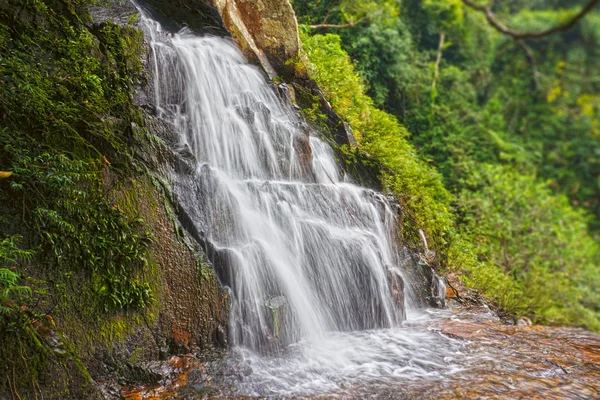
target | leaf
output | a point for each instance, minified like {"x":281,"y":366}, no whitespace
{"x":5,"y":174}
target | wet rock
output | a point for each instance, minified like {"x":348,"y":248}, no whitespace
{"x":397,"y":288}
{"x":200,"y":391}
{"x":438,"y":291}
{"x":423,"y":280}
{"x":303,"y":151}
{"x":517,"y":361}
{"x":286,"y":94}
{"x":192,"y":310}
{"x":182,"y":375}
{"x":524,"y":321}
{"x":118,"y":13}
{"x":220,"y":336}
{"x":276,"y":316}
{"x":469,"y":354}
{"x":201,"y":16}
{"x":267,"y":32}
{"x":196,"y":376}
{"x":151,"y":373}
{"x":308,"y":89}
{"x":350,"y":135}
{"x":246,"y":370}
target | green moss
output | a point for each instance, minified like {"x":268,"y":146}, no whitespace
{"x":310,"y":106}
{"x":67,"y":132}
{"x":74,"y":87}
{"x":206,"y":271}
{"x":34,"y":369}
{"x":533,"y":252}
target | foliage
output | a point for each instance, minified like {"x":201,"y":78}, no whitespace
{"x":535,"y":238}
{"x":446,"y":13}
{"x":349,"y":12}
{"x":78,"y":228}
{"x":16,"y":330}
{"x":67,"y":110}
{"x":513,"y":131}
{"x":67,"y":128}
{"x":11,"y":293}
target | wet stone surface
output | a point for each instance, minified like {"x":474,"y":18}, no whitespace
{"x":467,"y":353}
{"x":515,"y":362}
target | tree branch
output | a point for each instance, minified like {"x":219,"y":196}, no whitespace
{"x":499,"y":26}
{"x":436,"y":71}
{"x":532,"y":61}
{"x":328,"y":13}
{"x":339,"y":26}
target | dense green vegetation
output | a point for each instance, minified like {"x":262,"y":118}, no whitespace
{"x":67,"y":124}
{"x":512,"y":127}
{"x":491,"y":144}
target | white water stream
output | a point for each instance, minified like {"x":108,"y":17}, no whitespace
{"x":311,"y":260}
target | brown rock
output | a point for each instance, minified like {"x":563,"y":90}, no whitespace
{"x":303,"y":149}
{"x":267,"y":32}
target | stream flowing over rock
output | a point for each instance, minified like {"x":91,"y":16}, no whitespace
{"x":302,"y":250}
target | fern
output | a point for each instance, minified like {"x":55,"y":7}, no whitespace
{"x":10,"y":290}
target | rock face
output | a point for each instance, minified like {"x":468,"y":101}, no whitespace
{"x":190,"y":314}
{"x":82,"y":346}
{"x":267,"y":32}
{"x":201,"y":16}
{"x":190,"y":311}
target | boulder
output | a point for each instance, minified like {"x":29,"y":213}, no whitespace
{"x":397,"y":287}
{"x":267,"y":32}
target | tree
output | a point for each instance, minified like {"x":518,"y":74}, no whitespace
{"x":350,"y":13}
{"x":501,"y":27}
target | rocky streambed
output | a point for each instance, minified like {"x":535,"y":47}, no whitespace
{"x":515,"y":362}
{"x":462,"y":352}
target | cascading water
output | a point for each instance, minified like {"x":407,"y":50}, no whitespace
{"x":308,"y":256}
{"x":291,"y":230}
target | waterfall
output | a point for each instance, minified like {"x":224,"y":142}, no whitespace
{"x":305,"y":251}
{"x":311,"y":261}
